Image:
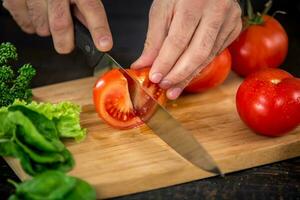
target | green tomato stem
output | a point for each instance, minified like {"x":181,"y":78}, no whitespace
{"x":256,"y":19}
{"x":250,"y":9}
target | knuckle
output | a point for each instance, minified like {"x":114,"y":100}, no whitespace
{"x":26,"y":26}
{"x":91,"y":4}
{"x":152,"y":11}
{"x":178,"y":41}
{"x":238,"y":12}
{"x":154,"y":7}
{"x":38,"y":16}
{"x":225,"y":4}
{"x":189,"y":17}
{"x":214,"y":25}
{"x":60,"y":25}
{"x":149,"y":46}
{"x":59,"y":11}
{"x":221,"y":7}
{"x":10,"y":4}
{"x":160,"y":11}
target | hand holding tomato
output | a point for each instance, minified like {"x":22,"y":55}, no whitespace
{"x":184,"y":36}
{"x":268,"y":101}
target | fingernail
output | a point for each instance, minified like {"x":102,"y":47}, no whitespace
{"x":165,"y":84}
{"x":173,"y":93}
{"x":105,"y":43}
{"x":156,"y":77}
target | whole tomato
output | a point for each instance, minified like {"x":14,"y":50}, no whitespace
{"x":260,"y":45}
{"x":268,"y":101}
{"x":212,"y":75}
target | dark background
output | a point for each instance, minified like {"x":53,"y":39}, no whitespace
{"x":128,"y":21}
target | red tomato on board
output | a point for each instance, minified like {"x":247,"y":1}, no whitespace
{"x":268,"y":101}
{"x":259,"y":46}
{"x":212,"y":75}
{"x":112,"y":100}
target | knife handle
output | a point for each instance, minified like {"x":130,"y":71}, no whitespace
{"x":84,"y":41}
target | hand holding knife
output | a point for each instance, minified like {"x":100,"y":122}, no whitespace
{"x":162,"y":123}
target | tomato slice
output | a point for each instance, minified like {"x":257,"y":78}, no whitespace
{"x":113,"y":101}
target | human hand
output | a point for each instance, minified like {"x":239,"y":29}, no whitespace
{"x":184,"y":36}
{"x":53,"y":17}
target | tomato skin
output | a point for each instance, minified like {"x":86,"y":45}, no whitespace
{"x":113,"y":84}
{"x":113,"y":102}
{"x":212,"y":75}
{"x":268,"y":101}
{"x":259,"y":46}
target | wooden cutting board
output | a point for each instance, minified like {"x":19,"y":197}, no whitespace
{"x":119,"y":162}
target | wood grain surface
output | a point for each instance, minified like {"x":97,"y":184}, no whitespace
{"x":119,"y":162}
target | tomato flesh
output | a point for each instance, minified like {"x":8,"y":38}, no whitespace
{"x":113,"y":101}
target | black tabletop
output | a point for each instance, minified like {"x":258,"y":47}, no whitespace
{"x":128,"y":22}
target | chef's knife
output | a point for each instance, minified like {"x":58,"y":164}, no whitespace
{"x":161,"y":122}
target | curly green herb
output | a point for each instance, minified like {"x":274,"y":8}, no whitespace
{"x":13,"y":86}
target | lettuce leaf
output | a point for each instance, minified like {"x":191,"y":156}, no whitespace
{"x":65,"y":115}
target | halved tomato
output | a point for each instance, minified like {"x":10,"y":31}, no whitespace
{"x":113,"y":101}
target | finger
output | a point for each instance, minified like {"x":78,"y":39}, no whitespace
{"x":79,"y":15}
{"x":175,"y":91}
{"x":159,"y":21}
{"x":199,"y":49}
{"x":18,"y":10}
{"x":233,"y":35}
{"x":183,"y":26}
{"x":231,"y":21}
{"x":95,"y":16}
{"x":61,"y":25}
{"x":37,"y":10}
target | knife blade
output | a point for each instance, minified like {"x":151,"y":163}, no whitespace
{"x":162,"y":123}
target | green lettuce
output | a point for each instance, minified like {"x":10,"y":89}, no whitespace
{"x":65,"y":115}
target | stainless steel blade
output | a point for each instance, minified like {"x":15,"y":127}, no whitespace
{"x":164,"y":125}
{"x":104,"y":65}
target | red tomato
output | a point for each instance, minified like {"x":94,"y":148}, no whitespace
{"x":268,"y":101}
{"x":112,"y":99}
{"x":259,"y":46}
{"x":212,"y":75}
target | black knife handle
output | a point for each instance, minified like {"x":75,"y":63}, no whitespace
{"x":84,"y":41}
